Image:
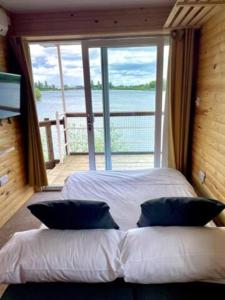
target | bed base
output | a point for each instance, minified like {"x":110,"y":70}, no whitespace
{"x":117,"y":290}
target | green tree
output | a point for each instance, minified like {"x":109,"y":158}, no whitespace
{"x":99,"y":86}
{"x":78,"y":139}
{"x":37,"y":93}
{"x":152,"y":84}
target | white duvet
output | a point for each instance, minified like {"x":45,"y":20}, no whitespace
{"x":124,"y":191}
{"x":143,"y":255}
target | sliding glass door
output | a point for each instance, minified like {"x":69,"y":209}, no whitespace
{"x":100,"y":103}
{"x":124,"y":95}
{"x":132,"y":95}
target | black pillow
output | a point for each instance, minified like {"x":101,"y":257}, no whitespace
{"x":179,"y":211}
{"x":74,"y":214}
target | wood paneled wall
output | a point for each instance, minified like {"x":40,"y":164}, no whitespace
{"x":91,"y":23}
{"x":3,"y":55}
{"x":209,"y":122}
{"x":16,"y":191}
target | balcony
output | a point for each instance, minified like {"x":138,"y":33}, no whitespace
{"x":65,"y":143}
{"x":80,"y":162}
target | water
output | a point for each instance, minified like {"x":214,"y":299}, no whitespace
{"x":120,"y":100}
{"x":128,"y":134}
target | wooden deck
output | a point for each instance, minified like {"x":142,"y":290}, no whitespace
{"x":74,"y":163}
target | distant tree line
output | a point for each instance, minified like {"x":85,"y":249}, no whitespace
{"x":45,"y":86}
{"x":144,"y":87}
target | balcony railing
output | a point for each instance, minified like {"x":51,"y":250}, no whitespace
{"x":131,"y":133}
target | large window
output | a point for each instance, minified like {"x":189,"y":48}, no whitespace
{"x":104,"y":100}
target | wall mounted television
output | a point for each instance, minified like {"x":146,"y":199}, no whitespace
{"x":10,"y":95}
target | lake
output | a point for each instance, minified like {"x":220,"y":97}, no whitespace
{"x":128,"y":134}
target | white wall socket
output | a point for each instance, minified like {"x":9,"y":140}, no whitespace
{"x":3,"y":180}
{"x":201,"y":175}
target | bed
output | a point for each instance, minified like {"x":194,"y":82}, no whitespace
{"x":117,"y":290}
{"x":123,"y":191}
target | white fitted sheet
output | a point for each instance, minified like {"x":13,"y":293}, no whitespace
{"x":124,"y":191}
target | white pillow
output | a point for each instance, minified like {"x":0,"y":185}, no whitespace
{"x":174,"y":254}
{"x":61,"y":255}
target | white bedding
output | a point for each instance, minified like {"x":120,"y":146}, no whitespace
{"x":145,"y":255}
{"x":124,"y":191}
{"x":174,"y":254}
{"x":47,"y":255}
{"x":141,"y":255}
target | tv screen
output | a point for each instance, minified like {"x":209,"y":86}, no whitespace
{"x":9,"y":95}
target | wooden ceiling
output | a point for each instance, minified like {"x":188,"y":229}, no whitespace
{"x":50,"y":6}
{"x":192,"y":13}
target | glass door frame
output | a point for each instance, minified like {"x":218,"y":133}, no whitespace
{"x":104,"y":44}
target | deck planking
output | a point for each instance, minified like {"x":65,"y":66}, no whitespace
{"x":75,"y":163}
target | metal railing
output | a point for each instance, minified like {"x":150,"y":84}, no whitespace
{"x":60,"y":137}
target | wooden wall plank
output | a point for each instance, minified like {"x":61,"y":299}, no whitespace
{"x":16,"y":192}
{"x":208,"y":151}
{"x":90,"y":23}
{"x":3,"y":55}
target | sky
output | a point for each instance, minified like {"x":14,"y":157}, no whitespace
{"x":127,"y":66}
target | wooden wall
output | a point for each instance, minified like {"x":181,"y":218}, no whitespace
{"x":16,"y":191}
{"x":209,"y":121}
{"x":91,"y":23}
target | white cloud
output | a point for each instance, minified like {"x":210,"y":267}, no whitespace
{"x":126,"y":65}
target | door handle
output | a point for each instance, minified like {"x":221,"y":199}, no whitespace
{"x":90,"y":121}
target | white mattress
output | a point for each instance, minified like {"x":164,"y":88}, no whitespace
{"x":124,"y":191}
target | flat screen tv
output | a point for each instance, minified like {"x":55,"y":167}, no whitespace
{"x":10,"y":94}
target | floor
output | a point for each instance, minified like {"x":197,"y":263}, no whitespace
{"x":23,"y":220}
{"x":75,"y":163}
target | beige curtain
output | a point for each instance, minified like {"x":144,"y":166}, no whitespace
{"x":20,"y":62}
{"x":180,"y":97}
